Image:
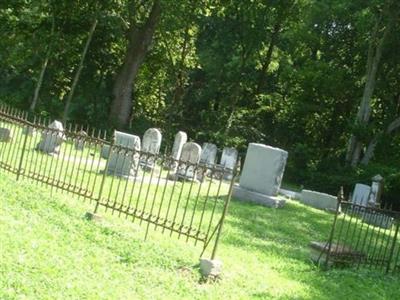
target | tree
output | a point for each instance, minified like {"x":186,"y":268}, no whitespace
{"x":383,"y":26}
{"x":139,"y":41}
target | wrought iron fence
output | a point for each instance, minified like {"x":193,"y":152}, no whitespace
{"x":164,"y":193}
{"x":362,"y":236}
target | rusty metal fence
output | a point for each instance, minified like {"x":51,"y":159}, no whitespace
{"x":166,"y":194}
{"x":362,"y":236}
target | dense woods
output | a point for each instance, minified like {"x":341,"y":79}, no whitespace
{"x":320,"y":79}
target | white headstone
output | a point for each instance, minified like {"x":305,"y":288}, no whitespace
{"x":361,"y":194}
{"x":376,"y":190}
{"x":152,"y":141}
{"x":151,"y":145}
{"x":228,"y":160}
{"x":123,"y":161}
{"x":190,"y":157}
{"x":179,"y":141}
{"x":5,"y":134}
{"x":208,"y":154}
{"x":261,"y":175}
{"x":52,"y":139}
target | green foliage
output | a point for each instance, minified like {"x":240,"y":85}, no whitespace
{"x":286,"y":73}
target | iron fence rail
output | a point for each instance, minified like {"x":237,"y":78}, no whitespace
{"x":363,"y":236}
{"x":153,"y":192}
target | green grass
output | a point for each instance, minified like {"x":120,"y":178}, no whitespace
{"x":49,"y":251}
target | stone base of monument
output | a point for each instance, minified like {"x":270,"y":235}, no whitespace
{"x":250,"y":196}
{"x":339,"y":254}
{"x":318,"y":200}
{"x":210,"y":267}
{"x":92,"y":216}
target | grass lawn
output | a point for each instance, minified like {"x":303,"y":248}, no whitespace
{"x":49,"y":251}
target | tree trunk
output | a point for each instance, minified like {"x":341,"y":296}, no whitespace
{"x":372,"y":145}
{"x":139,"y":42}
{"x":78,"y":72}
{"x":364,"y":112}
{"x":43,"y":70}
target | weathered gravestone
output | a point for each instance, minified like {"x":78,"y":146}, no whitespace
{"x":228,"y":160}
{"x":207,"y":158}
{"x":318,"y":200}
{"x":80,"y":140}
{"x":52,"y":138}
{"x":124,"y":156}
{"x":361,"y":194}
{"x":262,"y":175}
{"x":105,"y":151}
{"x":179,"y":141}
{"x":190,"y":157}
{"x":376,"y":190}
{"x":5,"y":134}
{"x":150,"y":147}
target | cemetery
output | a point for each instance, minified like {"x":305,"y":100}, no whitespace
{"x":199,"y":150}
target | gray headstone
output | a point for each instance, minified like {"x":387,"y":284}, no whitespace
{"x":190,"y":154}
{"x":179,"y":141}
{"x":5,"y":134}
{"x":361,"y":194}
{"x":262,"y":174}
{"x":228,"y":160}
{"x":105,"y":151}
{"x":208,"y":158}
{"x":151,"y":145}
{"x":80,"y":140}
{"x":52,"y":139}
{"x":318,"y":200}
{"x":123,"y":160}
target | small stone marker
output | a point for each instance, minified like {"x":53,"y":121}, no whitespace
{"x":5,"y":134}
{"x":361,"y":194}
{"x":179,"y":141}
{"x":210,"y":267}
{"x":318,"y":200}
{"x":52,"y":139}
{"x":262,"y":175}
{"x":123,"y":160}
{"x":190,"y":157}
{"x":80,"y":140}
{"x":228,"y":160}
{"x":208,"y":158}
{"x":151,"y":145}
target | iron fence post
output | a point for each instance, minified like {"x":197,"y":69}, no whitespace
{"x":104,"y":177}
{"x":22,"y":154}
{"x":340,"y":197}
{"x":224,"y":212}
{"x":393,"y":246}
